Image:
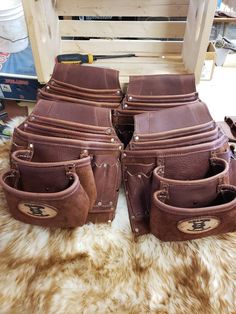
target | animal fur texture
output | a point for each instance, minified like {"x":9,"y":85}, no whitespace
{"x":101,"y":269}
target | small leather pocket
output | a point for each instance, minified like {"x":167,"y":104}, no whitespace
{"x":107,"y":175}
{"x":138,"y":180}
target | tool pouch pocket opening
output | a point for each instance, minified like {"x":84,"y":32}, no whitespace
{"x":62,"y":208}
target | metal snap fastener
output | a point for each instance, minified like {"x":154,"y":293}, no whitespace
{"x":130,"y":98}
{"x":136,"y":138}
{"x":112,"y":140}
{"x":48,"y":87}
{"x":125,"y":106}
{"x":99,"y":203}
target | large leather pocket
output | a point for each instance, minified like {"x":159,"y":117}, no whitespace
{"x":172,"y":223}
{"x":52,"y":177}
{"x":192,"y":193}
{"x":65,"y":208}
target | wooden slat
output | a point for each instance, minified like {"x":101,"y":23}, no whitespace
{"x":113,"y":29}
{"x":139,"y":47}
{"x":197,"y":33}
{"x":143,"y":66}
{"x":122,"y":8}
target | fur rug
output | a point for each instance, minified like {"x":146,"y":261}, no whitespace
{"x":101,"y":269}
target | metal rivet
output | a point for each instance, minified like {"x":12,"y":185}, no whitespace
{"x":125,"y":106}
{"x":31,"y":146}
{"x":32,"y":118}
{"x":47,"y":87}
{"x":120,"y":147}
{"x":118,"y":92}
{"x":130,"y":98}
{"x":139,"y":176}
{"x":124,"y":155}
{"x":110,"y":203}
{"x":25,"y":125}
{"x":136,"y":230}
{"x":126,"y":192}
{"x":104,"y":165}
{"x":109,"y":221}
{"x":136,"y":138}
{"x":99,"y":203}
{"x":132,"y":217}
{"x":112,"y":140}
{"x":108,"y":131}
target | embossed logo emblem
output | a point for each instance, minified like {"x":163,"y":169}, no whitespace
{"x":37,"y":210}
{"x":198,"y":224}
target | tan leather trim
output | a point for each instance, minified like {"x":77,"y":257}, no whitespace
{"x":37,"y":210}
{"x":198,"y":224}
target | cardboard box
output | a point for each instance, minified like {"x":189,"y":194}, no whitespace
{"x":18,"y":79}
{"x":209,"y":63}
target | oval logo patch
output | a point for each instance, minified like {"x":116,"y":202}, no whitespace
{"x":37,"y":210}
{"x":198,"y":224}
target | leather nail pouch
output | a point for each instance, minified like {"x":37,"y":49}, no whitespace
{"x":112,"y":92}
{"x":87,"y":76}
{"x":142,"y":99}
{"x":46,"y":130}
{"x":161,"y":85}
{"x":63,"y":208}
{"x":192,"y":119}
{"x":80,"y":95}
{"x":70,"y":112}
{"x":172,"y":223}
{"x":42,"y":94}
{"x":148,"y":106}
{"x":174,"y":142}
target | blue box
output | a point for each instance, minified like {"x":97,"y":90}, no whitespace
{"x":18,"y":79}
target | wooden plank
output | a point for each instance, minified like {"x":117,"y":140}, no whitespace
{"x":43,"y":28}
{"x":225,"y":20}
{"x":122,"y":8}
{"x":197,"y":33}
{"x":114,"y":29}
{"x":127,"y":69}
{"x":139,"y":47}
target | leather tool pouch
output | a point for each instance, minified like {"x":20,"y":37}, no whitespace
{"x":65,"y":157}
{"x":104,"y":160}
{"x":181,"y":148}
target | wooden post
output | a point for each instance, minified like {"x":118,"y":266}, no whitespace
{"x":197,"y":33}
{"x":43,"y":29}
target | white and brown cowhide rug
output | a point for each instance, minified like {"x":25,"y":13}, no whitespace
{"x":101,"y":269}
